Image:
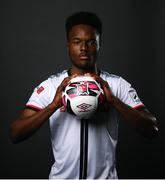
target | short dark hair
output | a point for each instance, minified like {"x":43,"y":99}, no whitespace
{"x":88,"y":18}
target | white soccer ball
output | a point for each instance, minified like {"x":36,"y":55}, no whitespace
{"x":82,"y":96}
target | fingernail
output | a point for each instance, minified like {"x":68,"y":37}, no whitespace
{"x":62,"y":109}
{"x":87,"y":74}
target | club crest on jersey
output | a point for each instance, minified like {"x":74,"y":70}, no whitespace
{"x":134,"y":95}
{"x":40,"y":89}
{"x":82,"y":88}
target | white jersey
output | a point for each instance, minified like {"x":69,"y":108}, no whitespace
{"x":102,"y":130}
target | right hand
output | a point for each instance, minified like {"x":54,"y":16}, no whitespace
{"x":58,"y":96}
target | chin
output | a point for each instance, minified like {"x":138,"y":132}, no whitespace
{"x":86,"y":67}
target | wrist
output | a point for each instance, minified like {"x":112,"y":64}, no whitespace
{"x":53,"y":106}
{"x":112,"y":99}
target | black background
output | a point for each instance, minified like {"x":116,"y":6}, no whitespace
{"x":34,"y":47}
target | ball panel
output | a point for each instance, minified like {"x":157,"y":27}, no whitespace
{"x":82,"y":96}
{"x":69,"y":109}
{"x":84,"y":107}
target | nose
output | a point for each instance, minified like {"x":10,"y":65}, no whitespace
{"x":83,"y":46}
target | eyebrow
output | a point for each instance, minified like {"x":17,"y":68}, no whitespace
{"x":77,"y":38}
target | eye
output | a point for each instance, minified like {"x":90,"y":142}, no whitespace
{"x":92,"y":43}
{"x":76,"y":41}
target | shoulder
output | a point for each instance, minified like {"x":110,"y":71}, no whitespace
{"x":56,"y":79}
{"x":116,"y":82}
{"x":113,"y":78}
{"x":108,"y":75}
{"x":59,"y":74}
{"x":52,"y":81}
{"x":110,"y":78}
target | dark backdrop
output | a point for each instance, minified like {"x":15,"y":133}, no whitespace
{"x":34,"y":47}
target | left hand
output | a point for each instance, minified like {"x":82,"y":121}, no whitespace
{"x":104,"y":85}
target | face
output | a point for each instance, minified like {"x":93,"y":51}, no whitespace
{"x":83,"y":46}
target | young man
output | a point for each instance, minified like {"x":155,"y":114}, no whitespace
{"x":83,"y":149}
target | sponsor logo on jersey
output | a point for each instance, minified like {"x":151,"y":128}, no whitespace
{"x":40,"y":89}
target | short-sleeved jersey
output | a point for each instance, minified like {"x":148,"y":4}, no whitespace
{"x":102,"y":130}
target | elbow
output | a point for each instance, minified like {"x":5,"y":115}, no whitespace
{"x":151,"y":131}
{"x":154,"y":128}
{"x":13,"y":135}
{"x":14,"y":140}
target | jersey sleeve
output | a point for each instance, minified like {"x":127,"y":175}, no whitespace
{"x":127,"y":94}
{"x":40,"y":97}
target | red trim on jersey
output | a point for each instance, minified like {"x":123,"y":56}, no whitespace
{"x":32,"y":106}
{"x":138,"y":106}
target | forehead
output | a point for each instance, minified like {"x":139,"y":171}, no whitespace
{"x":83,"y":30}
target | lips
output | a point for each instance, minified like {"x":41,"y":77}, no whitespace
{"x":84,"y":56}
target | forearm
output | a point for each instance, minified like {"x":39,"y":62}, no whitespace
{"x":142,"y":121}
{"x":26,"y":126}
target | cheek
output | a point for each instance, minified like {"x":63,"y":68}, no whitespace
{"x":93,"y":51}
{"x":73,"y":50}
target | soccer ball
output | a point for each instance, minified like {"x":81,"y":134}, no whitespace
{"x":82,"y":96}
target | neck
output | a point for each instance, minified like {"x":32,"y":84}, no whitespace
{"x":74,"y":70}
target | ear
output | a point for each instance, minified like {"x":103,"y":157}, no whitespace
{"x":67,"y":41}
{"x":67,"y":45}
{"x":98,"y":39}
{"x":99,"y":47}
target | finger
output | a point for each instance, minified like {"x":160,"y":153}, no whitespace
{"x":71,"y":77}
{"x":99,"y":79}
{"x":74,"y":75}
{"x":87,"y":74}
{"x":62,"y":109}
{"x":90,"y":74}
{"x":66,"y":81}
{"x":62,"y":86}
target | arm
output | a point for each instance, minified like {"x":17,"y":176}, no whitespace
{"x":141,"y":119}
{"x":30,"y":121}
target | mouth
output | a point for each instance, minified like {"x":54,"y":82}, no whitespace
{"x":84,"y":57}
